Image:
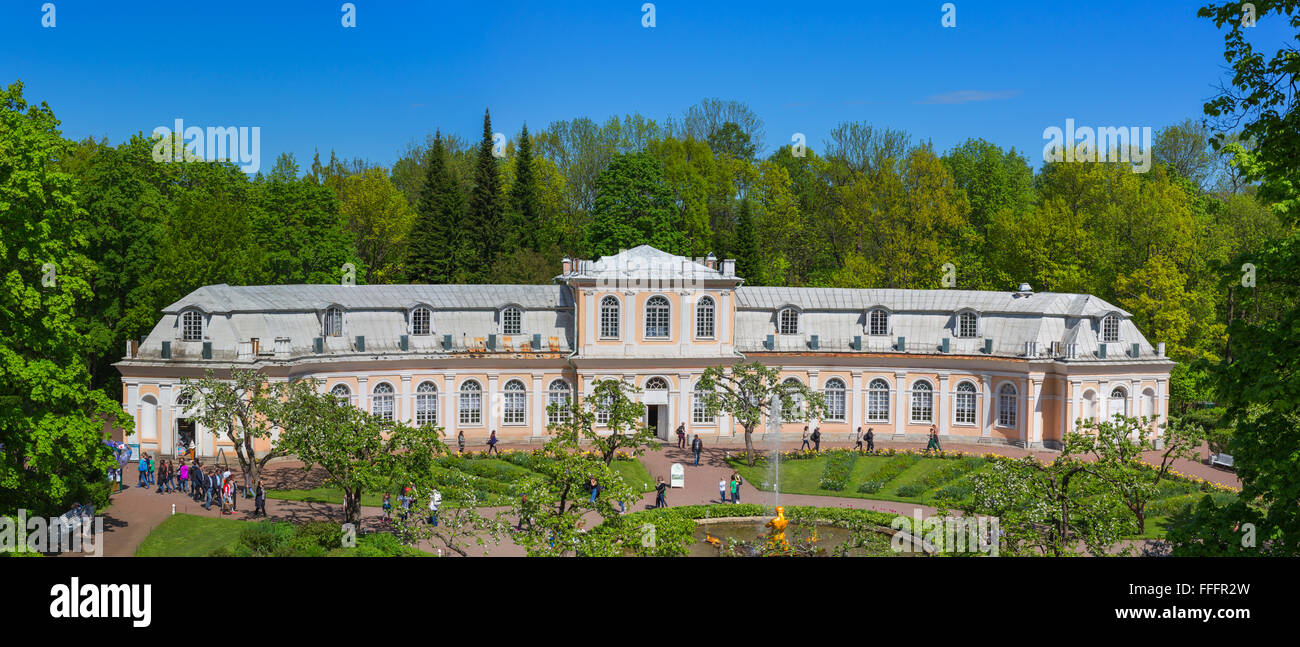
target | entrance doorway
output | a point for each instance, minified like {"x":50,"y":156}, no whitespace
{"x":184,"y":436}
{"x":656,"y":418}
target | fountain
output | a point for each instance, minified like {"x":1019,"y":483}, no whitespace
{"x":773,"y":438}
{"x":776,"y":538}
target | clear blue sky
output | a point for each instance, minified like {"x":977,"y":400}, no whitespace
{"x":1006,"y":72}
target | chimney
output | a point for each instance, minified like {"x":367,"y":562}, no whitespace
{"x":711,"y":261}
{"x":1160,"y":349}
{"x":729,"y":267}
{"x":566,"y":265}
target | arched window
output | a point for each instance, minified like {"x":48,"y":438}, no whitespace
{"x":191,"y":326}
{"x":700,"y":407}
{"x":426,"y":403}
{"x":341,"y":391}
{"x":558,"y":402}
{"x":658,"y":317}
{"x":1110,"y":328}
{"x":835,"y":405}
{"x":878,"y":322}
{"x":421,"y":321}
{"x":1007,"y":405}
{"x":516,"y":403}
{"x":471,"y":403}
{"x":878,"y":400}
{"x":602,"y":405}
{"x":964,"y":407}
{"x":333,"y":323}
{"x":1149,"y":404}
{"x":381,"y":403}
{"x":787,"y":322}
{"x":704,"y":318}
{"x":1118,"y":404}
{"x":922,"y":402}
{"x":656,"y":384}
{"x":609,"y":317}
{"x":1090,"y":405}
{"x":512,"y":321}
{"x":792,"y":411}
{"x":967,"y":324}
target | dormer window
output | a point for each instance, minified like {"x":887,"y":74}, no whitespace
{"x":512,"y":321}
{"x":421,"y":321}
{"x":191,"y":326}
{"x":332,"y":325}
{"x":787,"y":321}
{"x":878,"y":322}
{"x":967,"y":324}
{"x":1110,"y":328}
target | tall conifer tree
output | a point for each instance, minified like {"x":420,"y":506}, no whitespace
{"x":747,"y":245}
{"x":486,"y":206}
{"x":525,"y":213}
{"x":437,"y":240}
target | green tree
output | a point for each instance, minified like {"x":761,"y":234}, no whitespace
{"x":752,"y":393}
{"x":52,"y":423}
{"x":486,"y":210}
{"x":747,"y":257}
{"x":377,"y":216}
{"x":438,"y":248}
{"x":298,"y":228}
{"x":634,"y":207}
{"x":524,"y":217}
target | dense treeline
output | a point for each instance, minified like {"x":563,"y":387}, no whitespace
{"x":873,"y":208}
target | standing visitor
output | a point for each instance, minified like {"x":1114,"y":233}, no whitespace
{"x":460,"y":440}
{"x":259,"y":500}
{"x":183,"y":478}
{"x":735,"y":487}
{"x":697,"y":446}
{"x":388,"y":508}
{"x":225,"y":478}
{"x":152,"y":476}
{"x":595,"y":489}
{"x":661,"y":494}
{"x":871,"y":439}
{"x":681,"y":436}
{"x":805,"y":439}
{"x":227,"y":494}
{"x":722,"y":491}
{"x":857,"y":439}
{"x":434,"y":504}
{"x":492,"y":443}
{"x":817,"y":439}
{"x":143,"y":464}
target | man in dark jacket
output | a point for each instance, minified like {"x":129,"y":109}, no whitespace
{"x":817,"y":440}
{"x":871,"y":440}
{"x":697,"y":446}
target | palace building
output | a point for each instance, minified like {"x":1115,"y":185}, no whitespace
{"x":996,"y":367}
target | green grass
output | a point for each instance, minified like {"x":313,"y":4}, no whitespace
{"x":185,"y":535}
{"x":497,"y":474}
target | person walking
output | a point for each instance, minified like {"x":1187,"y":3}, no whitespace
{"x":871,"y":439}
{"x":435,"y":502}
{"x":595,"y":489}
{"x":735,"y":487}
{"x":681,"y":436}
{"x":722,"y":491}
{"x":227,"y":495}
{"x":183,"y":478}
{"x":492,"y":443}
{"x":388,"y":508}
{"x":460,"y":441}
{"x":259,"y":500}
{"x":697,"y":446}
{"x":805,"y":439}
{"x":209,"y":480}
{"x":225,"y":478}
{"x":817,"y":439}
{"x":661,"y":494}
{"x":857,"y":439}
{"x":196,"y":480}
{"x":934,"y":440}
{"x":152,"y":471}
{"x":143,"y":465}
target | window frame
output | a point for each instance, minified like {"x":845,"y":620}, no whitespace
{"x":188,"y":315}
{"x":712,"y":318}
{"x":972,"y":396}
{"x":327,"y":319}
{"x":422,"y":406}
{"x":385,"y":398}
{"x":416,"y":313}
{"x":960,"y":329}
{"x":1109,"y":329}
{"x":565,"y":399}
{"x":610,"y":303}
{"x":699,"y":408}
{"x":835,"y":395}
{"x":465,"y":396}
{"x":871,"y":322}
{"x":780,"y":320}
{"x":1004,"y":412}
{"x":514,"y":401}
{"x":919,"y":387}
{"x":873,"y":393}
{"x":518,"y":322}
{"x":664,"y":310}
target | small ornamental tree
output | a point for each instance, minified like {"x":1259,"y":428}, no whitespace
{"x":1116,"y":449}
{"x":558,"y":499}
{"x":1049,"y":508}
{"x":749,"y":391}
{"x":242,"y":409}
{"x":358,"y":450}
{"x":460,"y":522}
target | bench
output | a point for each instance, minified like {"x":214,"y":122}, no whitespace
{"x":1221,"y":460}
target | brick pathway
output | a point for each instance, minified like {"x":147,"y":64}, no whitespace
{"x":136,"y":511}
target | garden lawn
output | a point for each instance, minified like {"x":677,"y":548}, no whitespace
{"x":185,"y":535}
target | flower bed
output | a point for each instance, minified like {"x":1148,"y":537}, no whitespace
{"x":835,"y":476}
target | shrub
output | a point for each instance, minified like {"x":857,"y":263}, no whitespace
{"x":896,"y":465}
{"x":911,"y":490}
{"x":321,"y":533}
{"x":959,"y":492}
{"x":835,"y":475}
{"x":871,"y":487}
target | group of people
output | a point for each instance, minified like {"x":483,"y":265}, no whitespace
{"x":731,"y":484}
{"x":815,"y":437}
{"x":492,"y":442}
{"x":202,"y":484}
{"x":407,"y":500}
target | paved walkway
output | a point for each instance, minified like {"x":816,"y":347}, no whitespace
{"x":136,"y":511}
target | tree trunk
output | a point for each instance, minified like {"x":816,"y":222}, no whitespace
{"x":352,"y":506}
{"x":1141,"y":512}
{"x":749,"y":446}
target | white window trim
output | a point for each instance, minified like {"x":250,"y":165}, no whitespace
{"x":889,"y":322}
{"x":889,"y":408}
{"x":375,"y":396}
{"x":975,"y":394}
{"x":979,"y":322}
{"x":713,"y":324}
{"x":410,"y":321}
{"x":551,"y":391}
{"x":645,"y":319}
{"x":506,"y":394}
{"x":997,"y":413}
{"x":1101,"y":329}
{"x":911,"y":400}
{"x":415,"y":402}
{"x":501,"y":316}
{"x":203,"y":325}
{"x":343,"y":321}
{"x":482,"y":419}
{"x":844,"y":397}
{"x":618,"y":317}
{"x":695,"y":422}
{"x":798,"y":320}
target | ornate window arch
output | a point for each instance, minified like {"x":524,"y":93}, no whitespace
{"x":559,"y":398}
{"x":836,"y":408}
{"x":878,"y":400}
{"x":1118,"y":404}
{"x":515,"y":403}
{"x":471,"y":403}
{"x":426,"y":403}
{"x":705,"y":318}
{"x":796,"y":405}
{"x":964,"y":403}
{"x":191,"y":325}
{"x":381,"y":401}
{"x":1008,"y":404}
{"x":922,"y":401}
{"x":658,"y":317}
{"x":341,"y":391}
{"x":609,"y":317}
{"x":656,"y":383}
